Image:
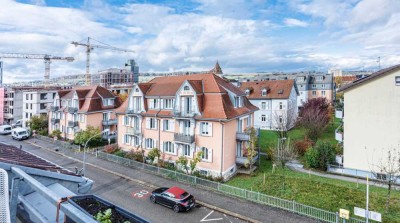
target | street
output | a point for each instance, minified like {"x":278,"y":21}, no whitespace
{"x":133,"y":194}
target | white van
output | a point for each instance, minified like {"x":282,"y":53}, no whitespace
{"x":19,"y":134}
{"x":5,"y":129}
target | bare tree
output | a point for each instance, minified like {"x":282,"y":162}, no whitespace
{"x":284,"y":120}
{"x":389,"y":171}
{"x":252,"y":146}
{"x":284,"y":153}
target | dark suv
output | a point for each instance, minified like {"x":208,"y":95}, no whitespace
{"x":174,"y":197}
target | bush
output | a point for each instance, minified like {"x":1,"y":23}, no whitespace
{"x":134,"y":156}
{"x":270,"y":153}
{"x":112,"y":148}
{"x":320,"y":156}
{"x":119,"y":153}
{"x":43,"y":132}
{"x":56,"y":133}
{"x":339,"y":149}
{"x":153,"y":154}
{"x":301,"y":146}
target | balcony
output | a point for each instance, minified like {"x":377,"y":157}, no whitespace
{"x":339,"y":134}
{"x":183,"y":138}
{"x":189,"y":114}
{"x":133,"y":131}
{"x":339,"y":113}
{"x":72,"y":110}
{"x":243,"y":159}
{"x":72,"y":123}
{"x":242,"y":136}
{"x":110,"y":122}
{"x":111,"y":136}
{"x":133,"y":111}
{"x":55,"y":121}
{"x":54,"y":108}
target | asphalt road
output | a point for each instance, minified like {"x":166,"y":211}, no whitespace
{"x":126,"y":193}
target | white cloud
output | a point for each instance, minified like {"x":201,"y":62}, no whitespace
{"x":295,"y":22}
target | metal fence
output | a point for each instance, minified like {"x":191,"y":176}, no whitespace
{"x":61,"y":144}
{"x":253,"y":196}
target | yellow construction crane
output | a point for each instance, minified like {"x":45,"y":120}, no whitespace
{"x":89,"y":47}
{"x":47,"y":61}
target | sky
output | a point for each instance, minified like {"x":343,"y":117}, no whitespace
{"x":244,"y":36}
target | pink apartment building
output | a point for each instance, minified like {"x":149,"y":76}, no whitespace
{"x":182,"y":115}
{"x":76,"y":109}
{"x":2,"y":105}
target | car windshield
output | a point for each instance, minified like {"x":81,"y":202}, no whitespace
{"x":185,"y":194}
{"x":22,"y":133}
{"x":9,"y":128}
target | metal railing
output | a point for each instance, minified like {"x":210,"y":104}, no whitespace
{"x":133,"y":131}
{"x":55,"y":120}
{"x":72,"y":123}
{"x":72,"y":110}
{"x":110,"y":122}
{"x":288,"y":205}
{"x":242,"y":136}
{"x":183,"y":138}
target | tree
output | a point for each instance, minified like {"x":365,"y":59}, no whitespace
{"x":183,"y":161}
{"x":83,"y":136}
{"x":284,"y":121}
{"x":56,"y":133}
{"x":123,"y":96}
{"x":190,"y":164}
{"x":153,"y":154}
{"x":389,"y":171}
{"x":252,"y":146}
{"x":314,"y":117}
{"x":193,"y":162}
{"x":283,"y":154}
{"x":39,"y":124}
{"x":320,"y":156}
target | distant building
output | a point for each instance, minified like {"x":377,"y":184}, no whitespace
{"x":372,"y":120}
{"x":277,"y":103}
{"x":116,"y":76}
{"x":1,"y":73}
{"x":336,"y":72}
{"x":36,"y":102}
{"x":12,"y":105}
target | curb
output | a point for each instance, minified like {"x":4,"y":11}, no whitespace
{"x":241,"y":217}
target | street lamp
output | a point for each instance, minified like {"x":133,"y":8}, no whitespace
{"x":84,"y":149}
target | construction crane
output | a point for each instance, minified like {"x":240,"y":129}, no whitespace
{"x":47,"y":61}
{"x":89,"y":47}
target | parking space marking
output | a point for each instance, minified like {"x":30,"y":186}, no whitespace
{"x":140,"y":194}
{"x":212,"y":219}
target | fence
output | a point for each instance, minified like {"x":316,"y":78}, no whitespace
{"x":253,"y":196}
{"x":61,"y":144}
{"x":356,"y":173}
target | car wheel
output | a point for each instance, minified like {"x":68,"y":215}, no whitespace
{"x":153,"y":199}
{"x":176,"y":208}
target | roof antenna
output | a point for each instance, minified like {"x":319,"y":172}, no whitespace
{"x":379,"y":63}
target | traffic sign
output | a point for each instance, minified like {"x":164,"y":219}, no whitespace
{"x":343,"y":213}
{"x":371,"y":214}
{"x":359,"y":212}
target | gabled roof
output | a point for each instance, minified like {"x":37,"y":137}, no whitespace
{"x":371,"y":77}
{"x":217,"y":69}
{"x":276,"y":89}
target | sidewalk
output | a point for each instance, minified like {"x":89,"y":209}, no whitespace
{"x":243,"y":208}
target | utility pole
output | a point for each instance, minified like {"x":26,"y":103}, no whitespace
{"x":366,"y":208}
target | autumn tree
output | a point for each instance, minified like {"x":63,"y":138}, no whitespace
{"x":284,"y":121}
{"x":252,"y":147}
{"x":387,"y":171}
{"x":190,"y":164}
{"x":39,"y":124}
{"x":82,"y":137}
{"x":123,"y":96}
{"x":284,"y":153}
{"x":314,"y":117}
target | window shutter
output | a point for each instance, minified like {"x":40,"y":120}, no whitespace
{"x":172,"y":127}
{"x":180,"y":152}
{"x":210,"y":128}
{"x":161,"y":103}
{"x":192,"y":148}
{"x":198,"y":126}
{"x":162,"y":127}
{"x":162,"y":146}
{"x":210,"y":155}
{"x":147,"y":123}
{"x":156,"y":123}
{"x":180,"y":127}
{"x":155,"y":144}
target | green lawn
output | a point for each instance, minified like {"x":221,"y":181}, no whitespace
{"x":269,"y":138}
{"x":321,"y":192}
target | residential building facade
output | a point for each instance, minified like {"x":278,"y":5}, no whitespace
{"x":75,"y":109}
{"x":277,"y":103}
{"x":36,"y":103}
{"x":13,"y":101}
{"x":372,"y":121}
{"x":116,"y":76}
{"x":182,"y":115}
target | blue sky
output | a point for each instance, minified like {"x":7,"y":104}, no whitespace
{"x":243,"y":35}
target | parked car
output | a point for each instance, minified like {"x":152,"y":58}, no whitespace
{"x":17,"y":124}
{"x":5,"y":129}
{"x":19,"y":134}
{"x":174,"y":197}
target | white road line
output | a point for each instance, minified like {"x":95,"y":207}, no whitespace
{"x":227,"y":218}
{"x":213,"y":219}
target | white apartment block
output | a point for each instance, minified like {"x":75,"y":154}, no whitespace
{"x":35,"y":103}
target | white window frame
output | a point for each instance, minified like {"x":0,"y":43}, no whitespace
{"x":314,"y":93}
{"x":314,"y":86}
{"x":127,"y":139}
{"x":397,"y":80}
{"x":263,"y":105}
{"x":263,"y":117}
{"x":169,"y":147}
{"x":204,"y":128}
{"x":153,"y":123}
{"x":264,"y":92}
{"x":168,"y":103}
{"x":323,"y":93}
{"x":205,"y":155}
{"x":280,"y":105}
{"x":186,"y":150}
{"x":149,"y":143}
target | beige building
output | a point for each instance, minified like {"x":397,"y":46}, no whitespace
{"x":371,"y":119}
{"x":181,"y":115}
{"x":76,"y":109}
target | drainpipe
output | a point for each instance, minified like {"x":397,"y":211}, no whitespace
{"x":222,"y":147}
{"x":65,"y":125}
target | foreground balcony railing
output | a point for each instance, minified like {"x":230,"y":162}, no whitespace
{"x":183,"y":138}
{"x":54,"y":108}
{"x":186,"y":114}
{"x":133,"y":131}
{"x":241,"y":160}
{"x":133,"y":111}
{"x":106,"y":137}
{"x":110,"y":122}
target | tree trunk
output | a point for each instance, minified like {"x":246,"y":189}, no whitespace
{"x":388,"y":196}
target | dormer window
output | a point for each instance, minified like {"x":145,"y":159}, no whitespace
{"x":186,"y":88}
{"x":238,"y":102}
{"x":247,"y":91}
{"x":320,"y":78}
{"x":108,"y":101}
{"x":264,"y":92}
{"x":137,"y":90}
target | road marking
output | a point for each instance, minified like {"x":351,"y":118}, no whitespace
{"x":213,"y":219}
{"x":140,"y":194}
{"x":227,"y":218}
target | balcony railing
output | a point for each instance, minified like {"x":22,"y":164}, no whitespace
{"x":338,"y":135}
{"x":183,"y":138}
{"x":110,"y":122}
{"x":339,"y":113}
{"x":55,"y":121}
{"x":185,"y":114}
{"x":54,"y":108}
{"x":72,"y":110}
{"x":243,"y":159}
{"x":242,"y":136}
{"x":72,"y":123}
{"x":133,"y":111}
{"x":106,"y":137}
{"x":133,"y":131}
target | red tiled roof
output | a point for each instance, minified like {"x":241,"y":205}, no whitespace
{"x":16,"y":156}
{"x":276,"y":89}
{"x":371,"y":77}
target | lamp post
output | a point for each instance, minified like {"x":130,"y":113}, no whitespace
{"x":84,"y":149}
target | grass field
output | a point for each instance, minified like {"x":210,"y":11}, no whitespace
{"x":321,"y":192}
